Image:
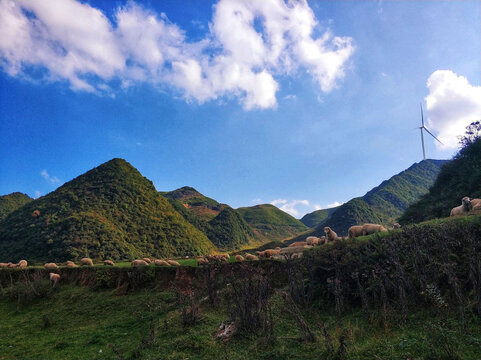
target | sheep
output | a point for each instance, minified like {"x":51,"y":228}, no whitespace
{"x":218,"y":258}
{"x":139,"y":263}
{"x":475,"y":204}
{"x":251,"y":257}
{"x":465,"y":206}
{"x":368,"y":229}
{"x":50,"y":266}
{"x":322,"y":240}
{"x":173,"y":263}
{"x":268,"y":253}
{"x":12,"y":265}
{"x":202,"y":261}
{"x":147,"y":260}
{"x":239,"y":258}
{"x":355,"y":231}
{"x":109,"y":263}
{"x":158,"y":262}
{"x":71,"y":264}
{"x":3,"y":265}
{"x":22,"y":264}
{"x":298,"y":243}
{"x":54,"y":278}
{"x":396,"y":226}
{"x":330,"y":234}
{"x":225,"y":257}
{"x":86,"y":262}
{"x":312,"y":240}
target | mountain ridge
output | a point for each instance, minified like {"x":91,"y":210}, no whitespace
{"x":384,"y":203}
{"x":109,"y":211}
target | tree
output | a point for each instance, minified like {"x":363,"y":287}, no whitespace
{"x":473,"y":133}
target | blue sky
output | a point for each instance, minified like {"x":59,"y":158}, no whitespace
{"x":298,"y":104}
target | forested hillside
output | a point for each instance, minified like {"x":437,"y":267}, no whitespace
{"x":111,"y":211}
{"x":317,"y":218}
{"x":11,"y":202}
{"x":385,"y":203}
{"x":459,"y":178}
{"x":227,"y":231}
{"x":270,"y":223}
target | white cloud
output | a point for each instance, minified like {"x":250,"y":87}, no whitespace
{"x":248,"y":46}
{"x":290,"y":206}
{"x":334,"y":204}
{"x":37,"y":194}
{"x":453,"y":103}
{"x":50,"y":179}
{"x":289,"y":97}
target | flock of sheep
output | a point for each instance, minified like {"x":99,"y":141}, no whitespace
{"x":467,"y":205}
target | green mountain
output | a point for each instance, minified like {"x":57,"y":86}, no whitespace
{"x":11,"y":202}
{"x":228,"y":230}
{"x":385,"y":203}
{"x":317,"y":218}
{"x":201,"y":205}
{"x":270,"y":223}
{"x":458,"y":178}
{"x":111,"y":211}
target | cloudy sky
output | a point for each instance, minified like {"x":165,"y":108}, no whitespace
{"x":304,"y":105}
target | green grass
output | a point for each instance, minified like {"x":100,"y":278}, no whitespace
{"x":86,"y":324}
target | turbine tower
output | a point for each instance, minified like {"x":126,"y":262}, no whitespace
{"x":422,"y":127}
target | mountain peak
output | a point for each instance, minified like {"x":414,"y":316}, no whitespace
{"x":110,"y":211}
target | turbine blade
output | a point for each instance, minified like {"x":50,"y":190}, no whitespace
{"x":422,"y":115}
{"x":430,"y":133}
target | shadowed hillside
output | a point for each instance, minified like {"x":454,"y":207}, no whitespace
{"x":459,"y":178}
{"x":111,"y":211}
{"x":318,"y":217}
{"x":270,"y":223}
{"x":11,"y":202}
{"x":384,"y":203}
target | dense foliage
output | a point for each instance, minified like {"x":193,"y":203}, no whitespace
{"x":229,"y":231}
{"x":398,"y":270}
{"x":317,"y":218}
{"x":459,"y":178}
{"x":111,"y":211}
{"x":271,"y":223}
{"x":11,"y":202}
{"x":386,"y":202}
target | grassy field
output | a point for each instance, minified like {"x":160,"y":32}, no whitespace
{"x":78,"y":323}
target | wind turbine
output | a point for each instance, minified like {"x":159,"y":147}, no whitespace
{"x":422,"y":127}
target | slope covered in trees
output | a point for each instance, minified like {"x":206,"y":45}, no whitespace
{"x":459,"y":178}
{"x":228,"y":230}
{"x":317,"y":218}
{"x":384,"y":203}
{"x":11,"y":202}
{"x":111,"y":211}
{"x":270,"y":223}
